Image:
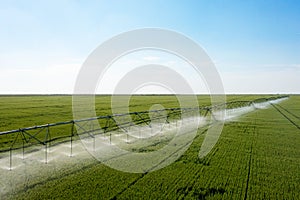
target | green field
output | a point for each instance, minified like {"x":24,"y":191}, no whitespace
{"x":256,"y":157}
{"x":27,"y":111}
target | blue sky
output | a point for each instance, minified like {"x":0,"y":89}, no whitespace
{"x":255,"y":44}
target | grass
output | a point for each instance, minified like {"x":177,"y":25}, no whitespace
{"x":256,"y":157}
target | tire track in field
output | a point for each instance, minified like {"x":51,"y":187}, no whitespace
{"x":285,"y":116}
{"x":249,"y":171}
{"x":288,"y":111}
{"x":250,"y":160}
{"x":144,"y":174}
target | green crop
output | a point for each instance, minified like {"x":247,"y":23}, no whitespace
{"x":256,"y":157}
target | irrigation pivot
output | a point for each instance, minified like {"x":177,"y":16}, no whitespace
{"x":34,"y":138}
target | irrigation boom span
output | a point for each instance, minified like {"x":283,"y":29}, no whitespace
{"x":111,"y":124}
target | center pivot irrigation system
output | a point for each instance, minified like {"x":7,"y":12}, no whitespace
{"x":43,"y":136}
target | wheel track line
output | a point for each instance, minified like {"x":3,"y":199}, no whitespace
{"x":250,"y":161}
{"x":288,"y":111}
{"x":285,"y":116}
{"x":249,"y":171}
